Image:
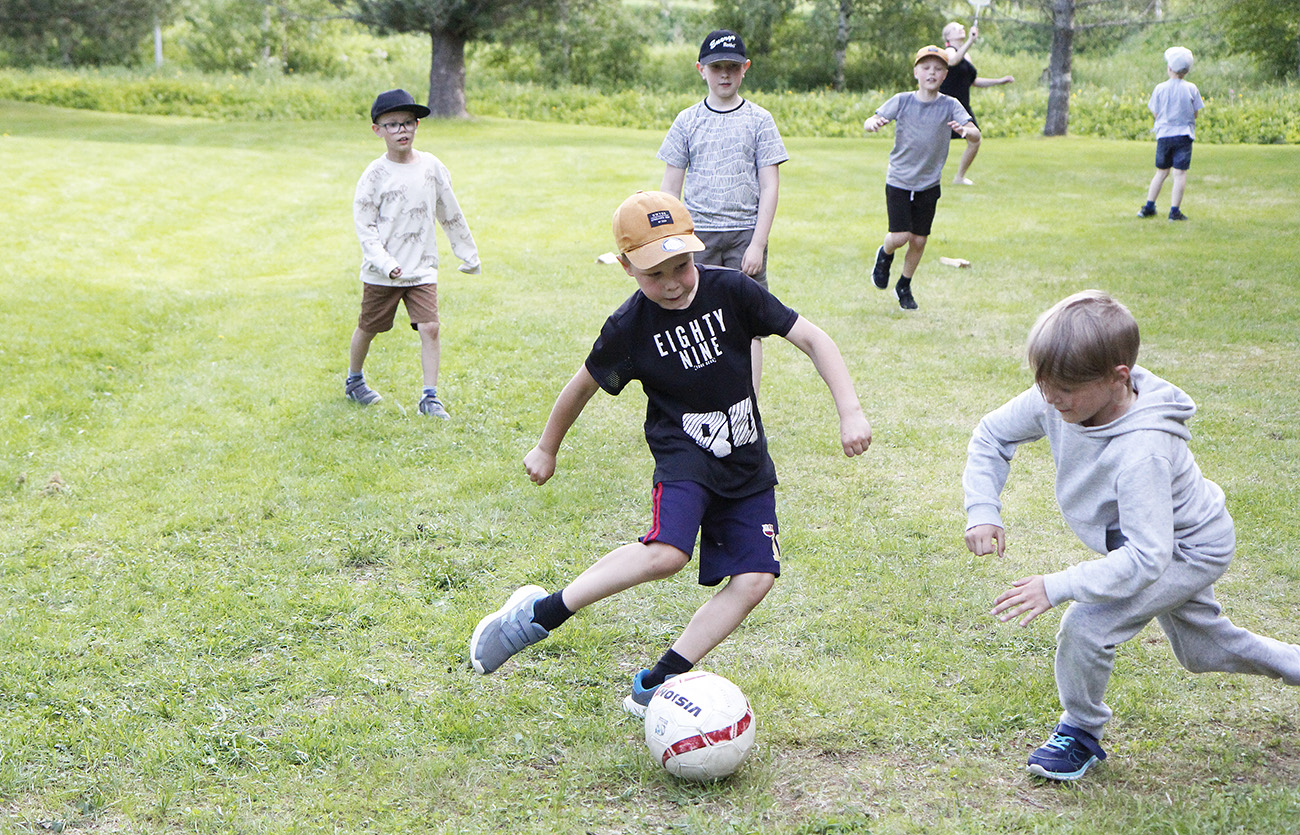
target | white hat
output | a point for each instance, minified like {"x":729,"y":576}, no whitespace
{"x":1178,"y":58}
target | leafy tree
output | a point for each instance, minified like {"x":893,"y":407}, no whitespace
{"x":1269,"y":30}
{"x":575,"y":42}
{"x":77,"y":32}
{"x":241,"y":35}
{"x":450,"y":24}
{"x":755,"y":20}
{"x":1065,"y":19}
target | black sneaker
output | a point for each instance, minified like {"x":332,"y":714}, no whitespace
{"x":1147,"y":211}
{"x":880,"y":274}
{"x":1175,"y":214}
{"x":905,"y":299}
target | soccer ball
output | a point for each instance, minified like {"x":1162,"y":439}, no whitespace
{"x":699,"y":726}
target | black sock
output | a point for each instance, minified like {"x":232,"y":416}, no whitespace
{"x":550,"y":611}
{"x":672,"y":664}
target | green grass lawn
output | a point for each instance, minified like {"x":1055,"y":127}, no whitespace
{"x":231,"y":601}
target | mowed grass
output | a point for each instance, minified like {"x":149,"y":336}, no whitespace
{"x":232,"y":602}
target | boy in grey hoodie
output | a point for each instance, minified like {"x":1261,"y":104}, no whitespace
{"x":1129,"y":488}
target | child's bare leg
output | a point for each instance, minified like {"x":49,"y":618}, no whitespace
{"x":1180,"y":183}
{"x":430,"y":351}
{"x":721,"y":614}
{"x":967,"y":157}
{"x":915,"y":249}
{"x":895,"y":241}
{"x":1157,"y":182}
{"x":358,"y":349}
{"x":626,"y":566}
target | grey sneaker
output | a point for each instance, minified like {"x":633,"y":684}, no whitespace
{"x":506,"y":631}
{"x":430,"y":405}
{"x":360,"y":392}
{"x":637,"y":703}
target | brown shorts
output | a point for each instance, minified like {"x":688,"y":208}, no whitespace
{"x":379,"y":306}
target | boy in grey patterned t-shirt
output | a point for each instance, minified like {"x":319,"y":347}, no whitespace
{"x":724,"y":152}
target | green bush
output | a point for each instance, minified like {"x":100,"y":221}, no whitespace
{"x":1260,"y":116}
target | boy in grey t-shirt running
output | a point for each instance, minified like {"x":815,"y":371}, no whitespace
{"x":924,"y":122}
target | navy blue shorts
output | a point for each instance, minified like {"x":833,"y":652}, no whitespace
{"x":911,"y":211}
{"x":1174,"y":152}
{"x":737,"y":536}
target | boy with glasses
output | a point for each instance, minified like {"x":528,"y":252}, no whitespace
{"x":397,"y":199}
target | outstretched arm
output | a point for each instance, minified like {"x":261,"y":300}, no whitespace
{"x":539,"y":463}
{"x":855,"y":432}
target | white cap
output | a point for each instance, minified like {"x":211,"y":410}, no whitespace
{"x":1178,"y":58}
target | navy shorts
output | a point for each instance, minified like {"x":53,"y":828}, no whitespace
{"x":911,"y":211}
{"x":1174,"y":152}
{"x":737,"y":536}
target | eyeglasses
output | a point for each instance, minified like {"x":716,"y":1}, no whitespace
{"x":398,"y":127}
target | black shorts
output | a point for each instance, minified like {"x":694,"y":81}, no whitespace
{"x":1174,"y":152}
{"x":737,"y":536}
{"x":911,"y":211}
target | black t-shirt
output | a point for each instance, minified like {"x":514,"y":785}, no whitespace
{"x":958,"y":83}
{"x":702,"y":421}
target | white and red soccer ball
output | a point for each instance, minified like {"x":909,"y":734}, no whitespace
{"x":699,"y":726}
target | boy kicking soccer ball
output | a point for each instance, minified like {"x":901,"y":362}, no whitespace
{"x":1130,"y":489}
{"x":685,"y":335}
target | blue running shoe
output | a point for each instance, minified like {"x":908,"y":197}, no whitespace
{"x":641,"y":695}
{"x":506,"y":631}
{"x":1067,"y":755}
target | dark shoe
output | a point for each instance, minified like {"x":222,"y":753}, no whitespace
{"x":430,"y":405}
{"x":361,"y":393}
{"x":1147,"y":211}
{"x":880,"y":273}
{"x":1067,"y":755}
{"x":637,"y":703}
{"x":905,"y":299}
{"x":1175,"y":214}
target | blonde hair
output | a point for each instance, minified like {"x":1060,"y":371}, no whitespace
{"x":951,"y":27}
{"x":1082,"y":338}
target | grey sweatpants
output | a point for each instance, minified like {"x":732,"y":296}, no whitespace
{"x":1182,"y":602}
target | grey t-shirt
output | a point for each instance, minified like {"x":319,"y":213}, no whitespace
{"x":721,"y":153}
{"x":921,"y":137}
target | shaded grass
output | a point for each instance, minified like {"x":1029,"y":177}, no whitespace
{"x":242,"y":606}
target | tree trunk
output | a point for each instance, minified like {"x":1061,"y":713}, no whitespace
{"x":1058,"y":69}
{"x":842,"y":42}
{"x":447,"y":75}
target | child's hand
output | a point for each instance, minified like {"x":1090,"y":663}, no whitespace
{"x":980,"y":540}
{"x":959,"y":128}
{"x":396,"y":273}
{"x":539,"y":464}
{"x":874,"y":123}
{"x":855,"y":434}
{"x":751,"y":262}
{"x":1027,"y":596}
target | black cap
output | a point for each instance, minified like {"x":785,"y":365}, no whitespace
{"x":722,"y":45}
{"x":391,"y":100}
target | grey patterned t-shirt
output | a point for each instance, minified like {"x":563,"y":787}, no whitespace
{"x":721,"y":154}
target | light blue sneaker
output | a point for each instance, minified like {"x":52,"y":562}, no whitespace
{"x":1067,"y":755}
{"x":507,"y":630}
{"x":637,"y":703}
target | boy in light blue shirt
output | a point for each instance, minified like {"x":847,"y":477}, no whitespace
{"x":1174,"y":103}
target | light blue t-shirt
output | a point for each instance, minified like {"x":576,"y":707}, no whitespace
{"x":1174,"y":104}
{"x":921,"y":138}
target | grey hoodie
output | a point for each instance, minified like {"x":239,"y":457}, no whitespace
{"x":1129,"y":489}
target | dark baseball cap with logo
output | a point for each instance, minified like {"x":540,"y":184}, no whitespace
{"x":390,"y":100}
{"x":722,"y":45}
